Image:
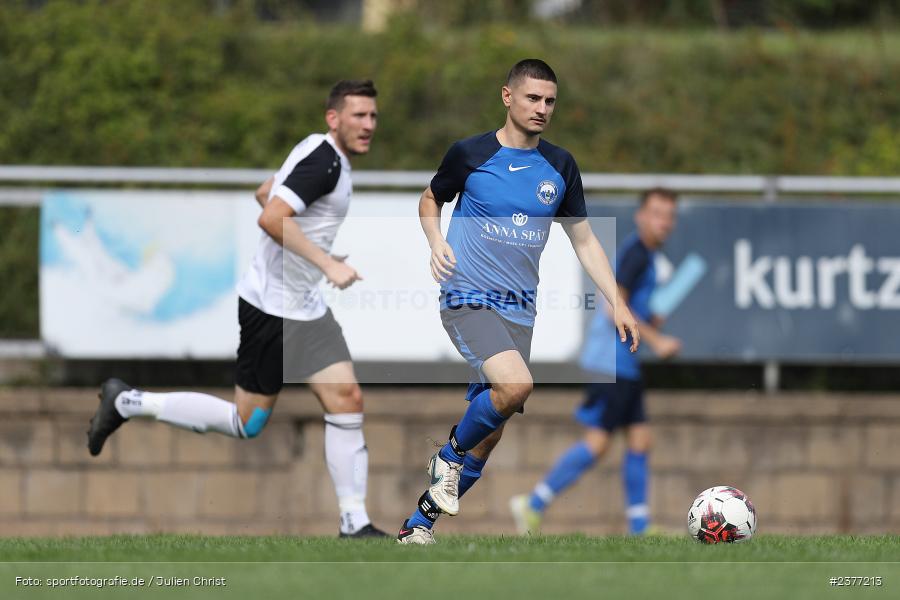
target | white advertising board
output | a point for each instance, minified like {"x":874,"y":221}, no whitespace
{"x":152,"y":274}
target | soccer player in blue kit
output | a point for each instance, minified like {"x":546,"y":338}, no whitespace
{"x":619,"y":404}
{"x":512,"y":185}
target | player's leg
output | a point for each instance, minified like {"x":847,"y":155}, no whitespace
{"x":568,"y":469}
{"x":194,"y":411}
{"x":476,"y":459}
{"x":498,"y":351}
{"x":635,"y":465}
{"x":426,"y":514}
{"x":258,"y":380}
{"x":511,"y":384}
{"x":580,"y":457}
{"x":458,"y":465}
{"x":600,"y":413}
{"x":254,"y":410}
{"x":346,"y":453}
{"x":188,"y":410}
{"x":317,"y":353}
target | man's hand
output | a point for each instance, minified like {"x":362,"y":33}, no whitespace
{"x":443,"y":261}
{"x":626,"y":323}
{"x":667,"y":346}
{"x":340,"y":274}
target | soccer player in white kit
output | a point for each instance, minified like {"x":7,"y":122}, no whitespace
{"x":287,"y":330}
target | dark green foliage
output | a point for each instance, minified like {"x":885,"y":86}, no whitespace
{"x":18,"y":273}
{"x":173,"y":84}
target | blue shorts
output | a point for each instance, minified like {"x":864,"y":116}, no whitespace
{"x":612,"y":405}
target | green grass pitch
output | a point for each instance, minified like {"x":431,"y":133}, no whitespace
{"x":458,"y":567}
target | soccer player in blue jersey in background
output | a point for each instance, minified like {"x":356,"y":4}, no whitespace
{"x":609,"y":406}
{"x":512,"y":185}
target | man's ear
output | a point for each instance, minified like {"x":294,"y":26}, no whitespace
{"x":506,"y":95}
{"x":332,"y":119}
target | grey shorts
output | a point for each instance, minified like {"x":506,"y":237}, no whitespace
{"x":479,"y":332}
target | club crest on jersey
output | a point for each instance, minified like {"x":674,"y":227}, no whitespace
{"x":547,"y":192}
{"x":519,"y":219}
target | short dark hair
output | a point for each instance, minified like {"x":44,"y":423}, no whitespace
{"x":349,"y":87}
{"x":658,"y":191}
{"x":530,"y":67}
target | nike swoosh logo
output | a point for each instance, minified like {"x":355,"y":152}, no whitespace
{"x":405,"y":532}
{"x":436,"y":480}
{"x":513,"y":169}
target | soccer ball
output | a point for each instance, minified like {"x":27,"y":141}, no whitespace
{"x":721,"y":514}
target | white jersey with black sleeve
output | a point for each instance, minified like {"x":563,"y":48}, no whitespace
{"x":315,"y":182}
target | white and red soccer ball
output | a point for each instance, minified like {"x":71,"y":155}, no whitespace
{"x":721,"y":514}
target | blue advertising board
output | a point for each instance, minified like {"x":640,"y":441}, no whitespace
{"x":796,"y":282}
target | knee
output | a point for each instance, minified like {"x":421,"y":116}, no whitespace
{"x":596,"y":441}
{"x":642,"y":446}
{"x":347,"y":398}
{"x":640,"y":442}
{"x":511,"y":397}
{"x":256,"y":422}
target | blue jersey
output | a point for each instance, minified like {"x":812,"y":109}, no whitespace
{"x":508,"y":198}
{"x":635,"y":273}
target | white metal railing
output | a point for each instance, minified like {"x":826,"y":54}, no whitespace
{"x":22,"y":349}
{"x":768,"y":187}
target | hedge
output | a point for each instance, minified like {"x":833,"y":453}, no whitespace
{"x":142,"y":82}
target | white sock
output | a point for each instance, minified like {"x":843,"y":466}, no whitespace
{"x":188,"y":410}
{"x":348,"y":462}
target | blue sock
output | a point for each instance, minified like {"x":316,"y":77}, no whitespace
{"x":471,"y":472}
{"x":635,"y":476}
{"x":417,"y":519}
{"x":426,"y":512}
{"x":480,"y":420}
{"x":567,"y":470}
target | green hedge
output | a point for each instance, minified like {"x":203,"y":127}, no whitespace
{"x":143,"y":82}
{"x":171,"y":83}
{"x":19,"y":272}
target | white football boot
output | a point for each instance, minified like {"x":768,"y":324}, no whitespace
{"x":444,"y":486}
{"x":418,"y":535}
{"x":528,"y":520}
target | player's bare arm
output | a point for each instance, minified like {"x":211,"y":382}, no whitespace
{"x":442,"y":259}
{"x":276,"y":221}
{"x":592,"y":257}
{"x":262,"y":192}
